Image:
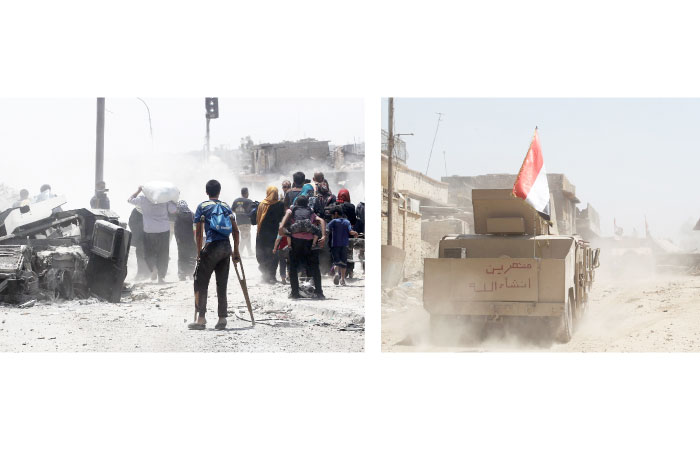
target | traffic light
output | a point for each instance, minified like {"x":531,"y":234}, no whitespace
{"x":212,"y":107}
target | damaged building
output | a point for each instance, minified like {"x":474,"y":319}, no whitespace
{"x":566,"y":215}
{"x":348,"y":155}
{"x":421,"y":215}
{"x":343,"y":166}
{"x":284,"y":157}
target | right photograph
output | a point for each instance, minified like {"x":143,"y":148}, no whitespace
{"x":540,"y":224}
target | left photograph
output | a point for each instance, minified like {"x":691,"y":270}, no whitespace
{"x":182,"y":225}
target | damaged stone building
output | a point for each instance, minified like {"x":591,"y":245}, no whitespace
{"x":568,"y":218}
{"x":420,"y":210}
{"x":284,"y":157}
{"x":343,"y":166}
{"x":348,"y":155}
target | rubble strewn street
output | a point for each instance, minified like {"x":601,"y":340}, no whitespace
{"x":153,"y":318}
{"x":188,"y":242}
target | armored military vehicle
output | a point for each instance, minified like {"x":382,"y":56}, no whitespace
{"x":514,"y":265}
{"x":49,"y":253}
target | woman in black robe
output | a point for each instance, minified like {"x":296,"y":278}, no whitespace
{"x":269,"y":215}
{"x":184,"y":236}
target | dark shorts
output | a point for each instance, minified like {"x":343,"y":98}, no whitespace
{"x":339,"y":256}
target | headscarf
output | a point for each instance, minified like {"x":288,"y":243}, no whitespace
{"x":182,"y":207}
{"x":271,"y":197}
{"x":343,"y":196}
{"x":307,"y":189}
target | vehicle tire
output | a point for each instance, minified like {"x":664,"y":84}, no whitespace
{"x":566,"y":321}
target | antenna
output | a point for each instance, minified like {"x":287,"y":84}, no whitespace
{"x":444,"y":158}
{"x":437,"y":127}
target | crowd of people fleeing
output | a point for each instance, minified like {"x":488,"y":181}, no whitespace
{"x":292,"y":229}
{"x":295,"y":226}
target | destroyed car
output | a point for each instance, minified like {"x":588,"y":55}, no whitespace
{"x":47,"y":253}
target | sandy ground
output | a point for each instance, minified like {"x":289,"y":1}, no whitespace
{"x":154,"y":318}
{"x":659,"y":313}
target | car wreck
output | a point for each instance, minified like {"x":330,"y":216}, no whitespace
{"x":47,"y":253}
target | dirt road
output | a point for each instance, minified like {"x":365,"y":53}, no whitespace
{"x":655,"y":314}
{"x":153,"y":318}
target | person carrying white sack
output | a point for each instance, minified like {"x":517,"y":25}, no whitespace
{"x":157,"y":203}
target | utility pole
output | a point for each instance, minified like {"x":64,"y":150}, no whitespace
{"x":390,"y":174}
{"x":206,"y":148}
{"x":100,"y":200}
{"x":433,"y":145}
{"x":100,"y":145}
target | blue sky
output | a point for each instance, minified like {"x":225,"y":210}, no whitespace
{"x":627,"y":157}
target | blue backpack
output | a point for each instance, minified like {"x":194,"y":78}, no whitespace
{"x":220,"y":221}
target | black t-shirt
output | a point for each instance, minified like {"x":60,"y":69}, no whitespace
{"x":349,"y":212}
{"x":290,"y":196}
{"x":242,"y":207}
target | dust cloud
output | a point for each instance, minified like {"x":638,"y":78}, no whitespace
{"x":637,"y":304}
{"x":188,"y":171}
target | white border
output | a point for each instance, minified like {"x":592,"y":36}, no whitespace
{"x":373,"y":50}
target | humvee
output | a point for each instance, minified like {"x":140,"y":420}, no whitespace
{"x":511,"y":267}
{"x":49,"y":253}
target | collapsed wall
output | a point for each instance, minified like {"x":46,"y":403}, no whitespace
{"x":285,"y":156}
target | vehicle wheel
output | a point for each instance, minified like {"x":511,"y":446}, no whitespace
{"x":566,"y":321}
{"x":583,"y":305}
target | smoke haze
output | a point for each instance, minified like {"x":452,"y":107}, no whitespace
{"x":53,"y":141}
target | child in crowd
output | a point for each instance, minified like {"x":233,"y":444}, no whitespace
{"x":341,"y":231}
{"x":281,"y":248}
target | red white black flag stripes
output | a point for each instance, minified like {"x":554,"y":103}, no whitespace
{"x":531,"y":184}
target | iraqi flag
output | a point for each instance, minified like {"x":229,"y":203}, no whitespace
{"x":531,"y":184}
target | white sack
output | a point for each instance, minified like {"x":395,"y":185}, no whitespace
{"x":161,"y":191}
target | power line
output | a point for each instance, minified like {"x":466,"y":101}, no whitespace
{"x":437,"y":127}
{"x":150,"y":124}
